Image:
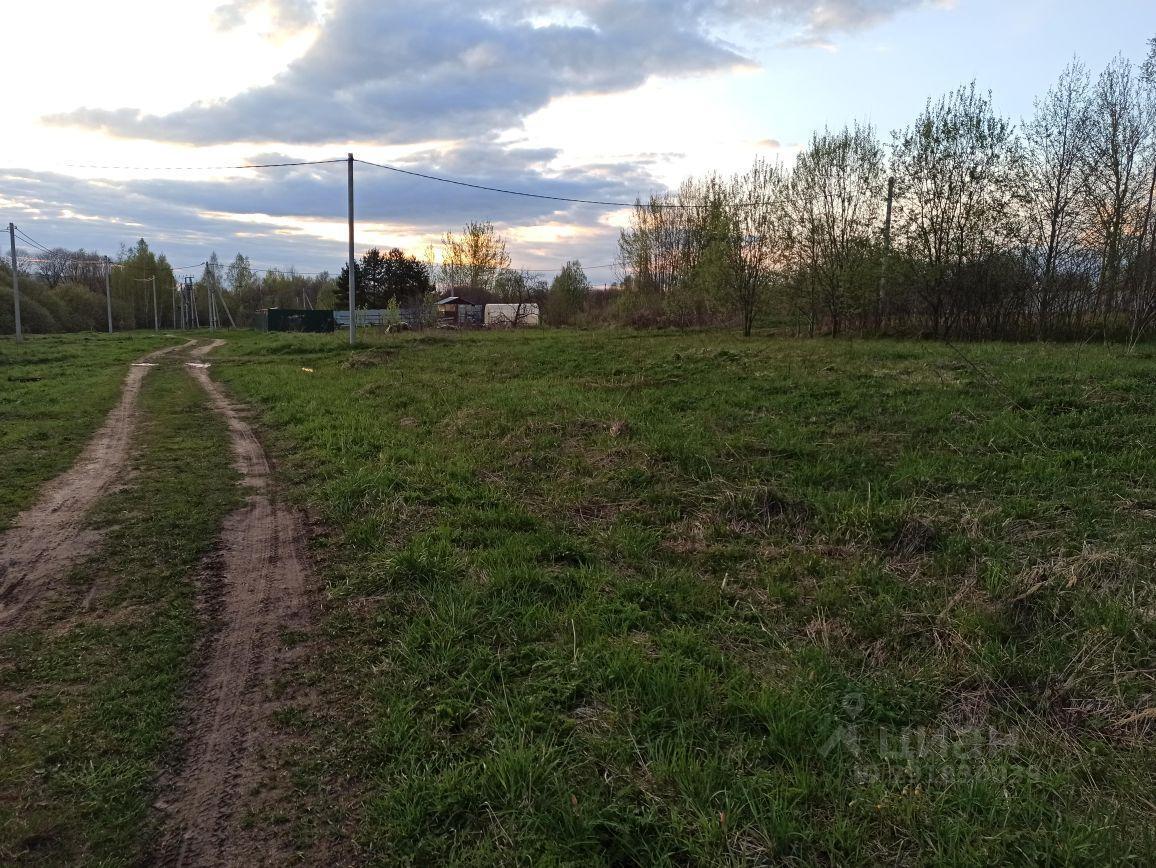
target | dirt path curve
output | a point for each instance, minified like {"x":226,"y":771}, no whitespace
{"x":262,"y":591}
{"x":51,"y":536}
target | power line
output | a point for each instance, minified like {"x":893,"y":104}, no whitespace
{"x":503,"y":190}
{"x":529,"y":195}
{"x":26,"y":237}
{"x":202,"y":168}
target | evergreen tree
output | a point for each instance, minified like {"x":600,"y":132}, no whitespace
{"x":381,"y":279}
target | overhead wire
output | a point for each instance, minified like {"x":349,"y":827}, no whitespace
{"x":397,"y":169}
{"x":527,"y":194}
{"x":501,"y":190}
{"x":30,"y":240}
{"x":203,"y":168}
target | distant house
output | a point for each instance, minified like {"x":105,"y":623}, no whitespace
{"x":456,"y":310}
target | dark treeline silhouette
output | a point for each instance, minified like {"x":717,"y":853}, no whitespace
{"x":1042,"y":229}
{"x":383,"y":279}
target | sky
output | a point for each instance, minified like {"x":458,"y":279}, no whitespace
{"x":591,"y":99}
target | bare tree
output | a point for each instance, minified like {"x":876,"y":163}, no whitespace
{"x":1113,"y":170}
{"x":55,"y":266}
{"x":754,"y":209}
{"x":956,"y":167}
{"x":1055,"y":139}
{"x":473,"y":260}
{"x":521,"y":290}
{"x":1143,"y":278}
{"x":836,"y":197}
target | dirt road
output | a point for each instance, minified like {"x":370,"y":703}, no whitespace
{"x":258,"y":590}
{"x":52,"y":535}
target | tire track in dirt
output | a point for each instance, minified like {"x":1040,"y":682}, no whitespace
{"x":259,"y":586}
{"x":52,"y":535}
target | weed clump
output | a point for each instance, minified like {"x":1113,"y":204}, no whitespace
{"x":912,"y":538}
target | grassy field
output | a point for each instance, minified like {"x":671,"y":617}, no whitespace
{"x":54,"y":392}
{"x":646,"y":598}
{"x":630,"y":598}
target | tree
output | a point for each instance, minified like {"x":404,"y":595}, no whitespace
{"x":474,"y":260}
{"x":756,"y":243}
{"x":371,"y":292}
{"x":132,"y":284}
{"x":341,"y":288}
{"x":520,"y":289}
{"x":382,"y":279}
{"x":836,"y":195}
{"x":1143,"y":277}
{"x":54,"y":266}
{"x":1054,"y":178}
{"x":568,"y":292}
{"x":209,"y":285}
{"x":405,"y":279}
{"x":956,"y":170}
{"x":239,"y":276}
{"x":1112,"y":160}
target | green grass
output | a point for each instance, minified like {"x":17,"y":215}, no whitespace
{"x":555,"y":638}
{"x":91,"y":697}
{"x":623,"y":598}
{"x":54,"y":393}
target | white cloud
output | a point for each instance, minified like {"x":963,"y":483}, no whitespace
{"x":391,"y":73}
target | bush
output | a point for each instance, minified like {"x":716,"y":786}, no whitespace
{"x":34,"y":317}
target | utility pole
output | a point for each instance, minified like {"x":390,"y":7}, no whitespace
{"x":212,"y":303}
{"x":156,"y":310}
{"x":225,"y":305}
{"x":15,"y":281}
{"x":886,"y":252}
{"x":211,"y":291}
{"x":108,"y":295}
{"x":352,"y":268}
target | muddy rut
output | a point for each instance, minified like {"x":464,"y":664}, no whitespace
{"x":257,"y":590}
{"x":52,"y":536}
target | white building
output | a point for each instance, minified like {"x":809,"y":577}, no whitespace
{"x":511,"y":315}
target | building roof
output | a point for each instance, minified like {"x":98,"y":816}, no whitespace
{"x":455,"y":299}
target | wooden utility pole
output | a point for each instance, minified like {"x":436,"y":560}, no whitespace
{"x":352,"y":264}
{"x":156,"y":310}
{"x":228,"y":313}
{"x":15,"y":282}
{"x":108,"y":295}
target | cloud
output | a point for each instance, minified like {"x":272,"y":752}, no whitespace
{"x":318,"y":192}
{"x":288,"y":15}
{"x":295,"y":215}
{"x":451,"y":69}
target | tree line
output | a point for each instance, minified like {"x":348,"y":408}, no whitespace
{"x":963,"y":224}
{"x":65,"y":290}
